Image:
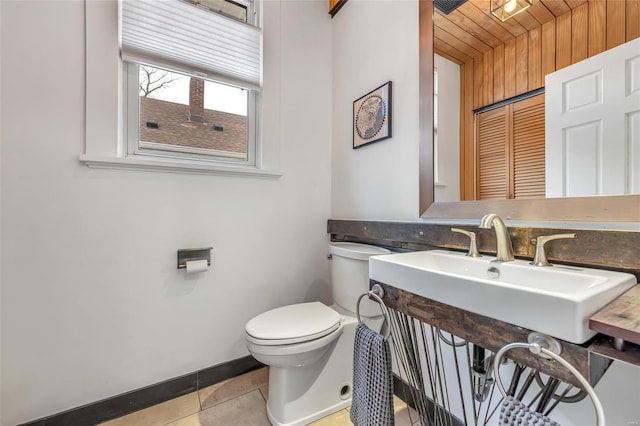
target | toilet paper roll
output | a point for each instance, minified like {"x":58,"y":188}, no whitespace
{"x":194,"y":266}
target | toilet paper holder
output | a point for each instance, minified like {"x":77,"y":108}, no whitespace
{"x":191,"y":254}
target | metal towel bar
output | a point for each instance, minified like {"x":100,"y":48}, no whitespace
{"x":377,"y":293}
{"x":539,"y":350}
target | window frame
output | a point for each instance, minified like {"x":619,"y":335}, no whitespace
{"x":436,"y":174}
{"x":104,"y":146}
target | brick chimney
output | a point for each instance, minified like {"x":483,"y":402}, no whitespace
{"x":196,"y":100}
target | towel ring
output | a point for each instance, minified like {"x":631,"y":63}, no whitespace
{"x":376,"y":293}
{"x":537,"y":349}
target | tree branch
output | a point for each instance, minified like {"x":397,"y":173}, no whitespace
{"x":153,"y":80}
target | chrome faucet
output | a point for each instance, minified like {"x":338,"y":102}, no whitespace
{"x":504,"y":249}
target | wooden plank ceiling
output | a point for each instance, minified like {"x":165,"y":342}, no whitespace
{"x":471,"y":30}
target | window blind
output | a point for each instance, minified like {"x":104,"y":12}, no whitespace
{"x":179,"y":36}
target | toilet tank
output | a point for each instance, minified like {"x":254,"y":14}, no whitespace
{"x":350,"y":275}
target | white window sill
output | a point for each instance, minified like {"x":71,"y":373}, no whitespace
{"x":173,"y":166}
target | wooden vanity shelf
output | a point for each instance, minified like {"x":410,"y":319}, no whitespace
{"x":604,"y":346}
{"x":619,"y":320}
{"x":493,"y":334}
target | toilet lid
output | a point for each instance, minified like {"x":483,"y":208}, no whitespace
{"x":293,"y":324}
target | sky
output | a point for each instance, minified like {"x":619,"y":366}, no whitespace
{"x":217,"y":97}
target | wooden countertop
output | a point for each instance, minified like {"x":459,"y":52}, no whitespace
{"x":620,"y":318}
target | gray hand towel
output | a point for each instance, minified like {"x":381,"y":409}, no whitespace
{"x":372,"y":400}
{"x":514,"y":412}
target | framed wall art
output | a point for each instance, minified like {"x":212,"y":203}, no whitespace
{"x":372,"y":116}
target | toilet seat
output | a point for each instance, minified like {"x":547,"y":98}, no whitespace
{"x":291,"y":324}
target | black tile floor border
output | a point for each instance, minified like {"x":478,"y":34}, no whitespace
{"x":126,"y":403}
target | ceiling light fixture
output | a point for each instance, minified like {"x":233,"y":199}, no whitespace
{"x":505,"y":9}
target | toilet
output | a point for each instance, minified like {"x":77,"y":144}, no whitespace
{"x":309,"y":346}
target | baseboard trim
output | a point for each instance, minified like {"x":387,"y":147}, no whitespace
{"x":139,"y":399}
{"x":405,"y":392}
{"x":120,"y":405}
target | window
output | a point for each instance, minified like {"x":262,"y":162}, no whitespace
{"x":193,"y":79}
{"x":436,"y":176}
{"x":175,"y":114}
{"x":106,"y":99}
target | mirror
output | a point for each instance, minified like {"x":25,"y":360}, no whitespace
{"x":432,"y":34}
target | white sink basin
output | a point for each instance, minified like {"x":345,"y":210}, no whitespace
{"x":557,"y":300}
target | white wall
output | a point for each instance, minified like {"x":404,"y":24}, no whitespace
{"x":374,"y":42}
{"x":0,"y":218}
{"x":447,"y":186}
{"x":92,"y":303}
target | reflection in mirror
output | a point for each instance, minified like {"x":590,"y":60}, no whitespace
{"x":482,"y":63}
{"x":425,"y":105}
{"x":446,"y":132}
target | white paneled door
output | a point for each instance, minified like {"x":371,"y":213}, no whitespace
{"x":593,"y":125}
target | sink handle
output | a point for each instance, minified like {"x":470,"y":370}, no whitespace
{"x":540,"y":258}
{"x":473,"y":246}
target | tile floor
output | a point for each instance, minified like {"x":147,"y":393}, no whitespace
{"x":235,"y":402}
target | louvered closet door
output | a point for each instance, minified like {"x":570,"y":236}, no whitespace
{"x":492,"y":134}
{"x":528,"y":148}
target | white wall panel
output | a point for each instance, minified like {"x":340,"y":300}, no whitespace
{"x":582,"y":160}
{"x":92,"y":303}
{"x":582,"y":91}
{"x":448,"y":156}
{"x":632,"y":76}
{"x":633,"y":151}
{"x":374,"y":42}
